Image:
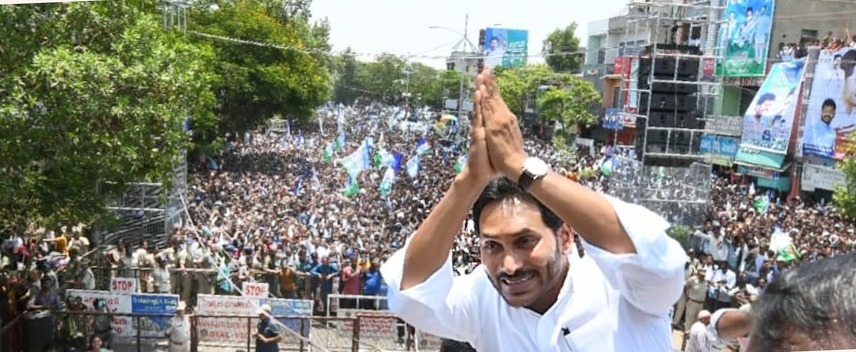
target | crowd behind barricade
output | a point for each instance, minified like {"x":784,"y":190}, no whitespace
{"x":277,"y":208}
{"x":830,"y":42}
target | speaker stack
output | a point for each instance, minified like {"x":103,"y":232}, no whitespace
{"x":672,"y":104}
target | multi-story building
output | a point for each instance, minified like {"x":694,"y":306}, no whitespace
{"x":724,"y":96}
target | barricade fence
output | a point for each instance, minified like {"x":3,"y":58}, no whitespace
{"x":138,"y":323}
{"x":378,"y":327}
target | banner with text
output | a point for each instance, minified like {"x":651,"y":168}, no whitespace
{"x":768,"y":121}
{"x":745,"y":37}
{"x":830,"y":118}
{"x":137,"y":304}
{"x":234,"y":330}
{"x":123,"y":285}
{"x":816,"y":177}
{"x":506,"y":47}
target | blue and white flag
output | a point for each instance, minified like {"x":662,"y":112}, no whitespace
{"x":413,"y":166}
{"x":387,"y":182}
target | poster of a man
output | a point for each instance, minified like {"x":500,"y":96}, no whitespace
{"x":831,"y":116}
{"x":745,"y":38}
{"x":768,"y":121}
{"x":505,"y":47}
{"x":495,"y":51}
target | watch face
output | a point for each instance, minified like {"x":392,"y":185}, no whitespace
{"x":536,"y":166}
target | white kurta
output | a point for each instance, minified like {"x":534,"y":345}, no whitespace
{"x":608,"y":302}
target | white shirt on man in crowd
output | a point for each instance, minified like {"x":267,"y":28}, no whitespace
{"x":608,"y":302}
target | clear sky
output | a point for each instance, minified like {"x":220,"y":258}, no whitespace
{"x":401,"y":26}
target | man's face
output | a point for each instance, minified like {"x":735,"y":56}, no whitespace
{"x":494,"y":43}
{"x":763,"y":108}
{"x":525,"y":262}
{"x":827,"y":114}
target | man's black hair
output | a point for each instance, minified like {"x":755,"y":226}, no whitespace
{"x":502,"y":189}
{"x":817,"y":300}
{"x":828,"y":103}
{"x":765,"y":97}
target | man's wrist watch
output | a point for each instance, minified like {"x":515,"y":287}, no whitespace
{"x":533,"y":169}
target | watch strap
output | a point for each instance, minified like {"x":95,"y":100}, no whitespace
{"x":526,"y":179}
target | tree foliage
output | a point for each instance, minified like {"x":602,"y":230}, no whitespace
{"x":845,"y":196}
{"x":346,"y":79}
{"x":258,"y":81}
{"x":562,"y":47}
{"x":92,"y":96}
{"x":519,"y":85}
{"x":388,"y":77}
{"x":570,"y":103}
{"x":568,"y":98}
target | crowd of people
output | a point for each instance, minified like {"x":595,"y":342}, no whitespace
{"x":280,"y":207}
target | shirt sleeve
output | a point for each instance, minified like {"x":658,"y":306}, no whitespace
{"x":652,"y":279}
{"x":442,"y":305}
{"x":713,"y":328}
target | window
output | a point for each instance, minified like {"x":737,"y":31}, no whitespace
{"x":601,"y":56}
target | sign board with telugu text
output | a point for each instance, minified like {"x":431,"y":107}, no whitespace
{"x":136,"y":304}
{"x":233,"y":330}
{"x":373,"y":323}
{"x":123,"y":285}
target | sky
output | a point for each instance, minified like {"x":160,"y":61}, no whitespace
{"x":401,"y":27}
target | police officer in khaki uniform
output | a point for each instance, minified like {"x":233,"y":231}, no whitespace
{"x":178,"y":331}
{"x":695,"y":290}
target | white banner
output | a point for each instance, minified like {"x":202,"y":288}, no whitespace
{"x":123,"y":285}
{"x":230,"y":331}
{"x":256,"y":289}
{"x":157,"y":305}
{"x":822,"y":177}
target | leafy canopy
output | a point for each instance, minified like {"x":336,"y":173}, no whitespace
{"x":259,"y":81}
{"x":92,"y":96}
{"x":562,"y":47}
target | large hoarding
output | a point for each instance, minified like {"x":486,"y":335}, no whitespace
{"x":769,"y":120}
{"x":831,"y":117}
{"x":744,"y":38}
{"x":505,"y":47}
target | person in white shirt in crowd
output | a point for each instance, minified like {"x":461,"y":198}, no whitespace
{"x":534,"y":292}
{"x":724,"y":281}
{"x":700,"y":339}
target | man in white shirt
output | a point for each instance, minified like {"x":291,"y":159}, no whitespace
{"x":724,"y":280}
{"x":700,"y":339}
{"x":533,"y":291}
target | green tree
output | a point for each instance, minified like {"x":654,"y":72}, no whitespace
{"x":845,"y":196}
{"x":347,"y":85}
{"x":569,"y":103}
{"x":562,"y":47}
{"x":259,"y":81}
{"x":98,"y":99}
{"x":519,"y":85}
{"x":384,"y":78}
{"x":449,"y":87}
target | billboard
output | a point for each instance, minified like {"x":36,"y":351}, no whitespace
{"x":505,"y":47}
{"x":830,"y":117}
{"x":744,"y":38}
{"x":769,"y":120}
